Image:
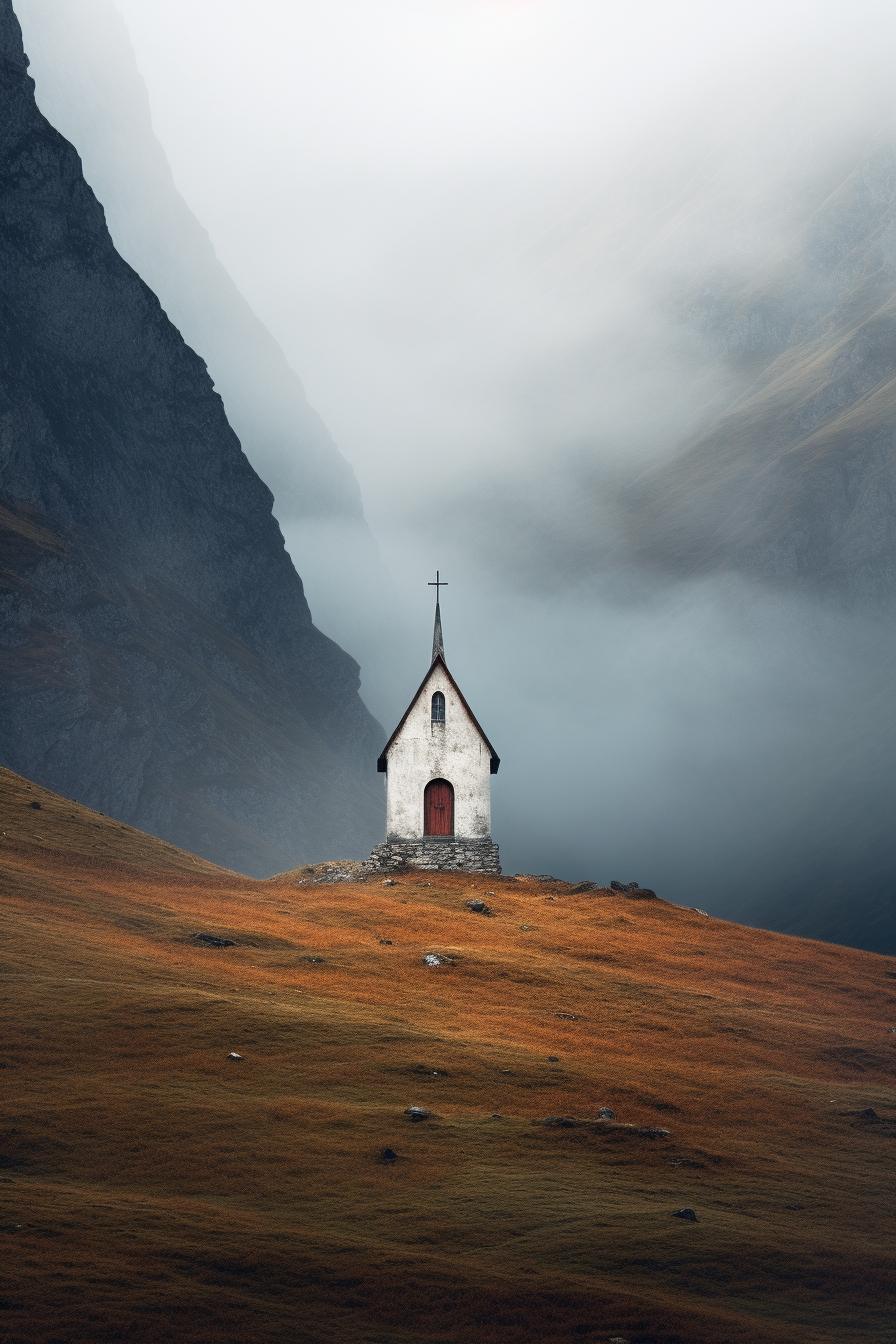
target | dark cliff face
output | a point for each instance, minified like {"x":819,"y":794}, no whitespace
{"x":159,"y":661}
{"x":89,"y":87}
{"x":91,"y":90}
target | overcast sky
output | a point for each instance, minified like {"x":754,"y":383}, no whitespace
{"x":435,"y":207}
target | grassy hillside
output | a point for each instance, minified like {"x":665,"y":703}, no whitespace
{"x":158,"y":1191}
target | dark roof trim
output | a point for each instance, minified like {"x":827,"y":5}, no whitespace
{"x":495,"y":758}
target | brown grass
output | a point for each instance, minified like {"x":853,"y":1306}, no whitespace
{"x":163,"y":1193}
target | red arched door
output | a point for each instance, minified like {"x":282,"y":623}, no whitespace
{"x":438,"y":808}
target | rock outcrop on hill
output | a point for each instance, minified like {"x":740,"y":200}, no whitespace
{"x":158,"y":659}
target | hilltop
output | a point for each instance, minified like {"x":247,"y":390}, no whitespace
{"x":158,"y":1190}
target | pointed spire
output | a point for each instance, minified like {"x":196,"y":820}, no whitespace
{"x":438,"y":648}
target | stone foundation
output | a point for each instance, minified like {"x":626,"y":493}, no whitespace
{"x":447,"y":854}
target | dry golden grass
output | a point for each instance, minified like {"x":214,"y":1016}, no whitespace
{"x":164,"y":1193}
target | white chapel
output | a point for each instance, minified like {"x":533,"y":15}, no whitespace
{"x":438,"y":766}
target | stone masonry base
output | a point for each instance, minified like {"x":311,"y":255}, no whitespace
{"x":449,"y":854}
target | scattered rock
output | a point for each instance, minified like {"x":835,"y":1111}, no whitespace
{"x":606,"y":1114}
{"x":553,"y":1059}
{"x":604,"y":1125}
{"x":315,"y":961}
{"x":582,"y":886}
{"x":427,"y":1069}
{"x":389,"y":882}
{"x":36,"y":805}
{"x":387,"y":1156}
{"x":234,"y":1056}
{"x":623,"y":886}
{"x":12,"y":1227}
{"x":570,"y":1017}
{"x":698,"y":912}
{"x":385,"y":942}
{"x":417,"y":1113}
{"x":434,"y":959}
{"x":479,"y":907}
{"x":496,"y":1116}
{"x":796,"y":1206}
{"x":688,"y":1214}
{"x":210,"y":940}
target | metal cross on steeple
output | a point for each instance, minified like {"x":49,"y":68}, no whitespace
{"x":438,"y":650}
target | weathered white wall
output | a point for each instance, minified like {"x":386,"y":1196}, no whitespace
{"x":453,"y":750}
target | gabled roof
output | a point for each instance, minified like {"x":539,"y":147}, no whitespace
{"x":495,"y":758}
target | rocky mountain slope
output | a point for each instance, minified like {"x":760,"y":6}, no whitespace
{"x":587,"y":1064}
{"x":89,"y":87}
{"x":159,"y":660}
{"x":795,"y":481}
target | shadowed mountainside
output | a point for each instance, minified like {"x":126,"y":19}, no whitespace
{"x":90,"y":89}
{"x":93,"y":93}
{"x":795,"y":481}
{"x":160,"y":1190}
{"x":158,"y":656}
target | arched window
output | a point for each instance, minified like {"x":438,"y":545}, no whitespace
{"x":438,"y":808}
{"x":438,"y":708}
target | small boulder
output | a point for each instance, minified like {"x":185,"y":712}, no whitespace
{"x":234,"y":1056}
{"x":387,"y":1156}
{"x":606,"y":1114}
{"x":479,"y":907}
{"x":417,"y":1113}
{"x":36,"y":805}
{"x":687,"y":1214}
{"x":385,"y":942}
{"x":433,"y":959}
{"x":553,"y":1059}
{"x":796,"y":1206}
{"x":389,"y":882}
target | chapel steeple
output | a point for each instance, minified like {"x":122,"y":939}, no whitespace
{"x":438,"y":648}
{"x":438,"y":764}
